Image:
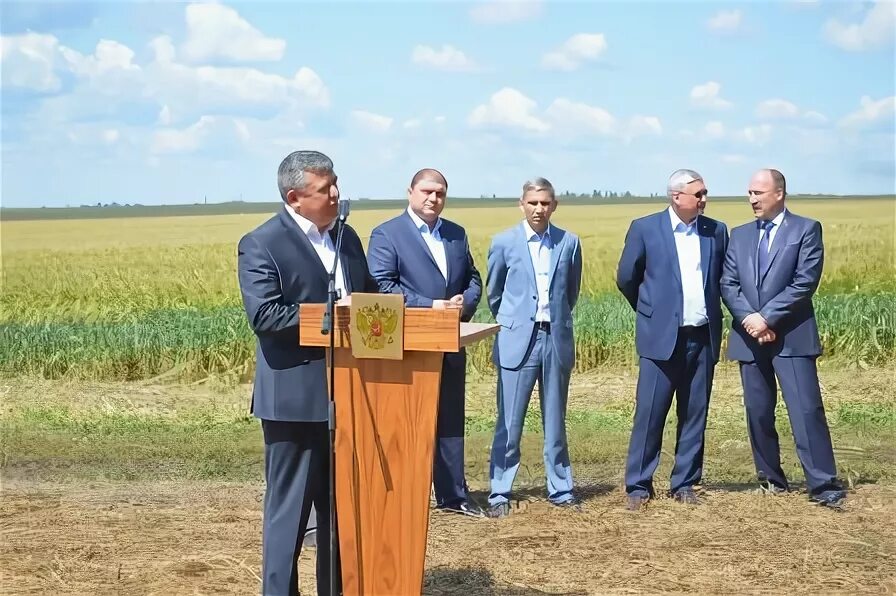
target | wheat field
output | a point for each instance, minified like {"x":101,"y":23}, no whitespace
{"x":131,"y":298}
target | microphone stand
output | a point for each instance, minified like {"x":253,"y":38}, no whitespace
{"x":327,"y":327}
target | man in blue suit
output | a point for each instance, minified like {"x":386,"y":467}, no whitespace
{"x":534,"y":276}
{"x":427,"y":258}
{"x":669,"y":272}
{"x":281,"y":264}
{"x":771,"y":272}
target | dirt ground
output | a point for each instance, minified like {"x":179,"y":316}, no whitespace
{"x":202,"y":538}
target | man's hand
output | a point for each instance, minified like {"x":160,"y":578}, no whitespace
{"x":453,"y":302}
{"x":767,"y":337}
{"x":755,"y":325}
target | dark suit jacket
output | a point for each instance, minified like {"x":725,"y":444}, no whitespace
{"x":278,"y":270}
{"x":782,"y":293}
{"x":649,"y":277}
{"x":401,"y":263}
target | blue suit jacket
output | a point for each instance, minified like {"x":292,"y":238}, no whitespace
{"x":401,"y":263}
{"x":513,"y":294}
{"x":782,"y":293}
{"x":279,"y":269}
{"x":649,"y":277}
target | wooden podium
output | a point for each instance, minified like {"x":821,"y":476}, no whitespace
{"x":385,"y":430}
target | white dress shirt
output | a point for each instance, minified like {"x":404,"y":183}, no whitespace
{"x":774,"y":231}
{"x":433,"y":240}
{"x":687,"y":244}
{"x":540,"y":249}
{"x":323,"y":246}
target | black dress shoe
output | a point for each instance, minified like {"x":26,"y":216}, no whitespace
{"x":463,"y":508}
{"x":829,"y":498}
{"x":498,"y":510}
{"x":686,"y":496}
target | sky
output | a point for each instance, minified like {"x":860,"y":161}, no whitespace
{"x":164,"y":102}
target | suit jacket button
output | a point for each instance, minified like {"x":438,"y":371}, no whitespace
{"x":534,"y":297}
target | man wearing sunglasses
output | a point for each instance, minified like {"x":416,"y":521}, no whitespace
{"x":669,"y":272}
{"x":771,"y":272}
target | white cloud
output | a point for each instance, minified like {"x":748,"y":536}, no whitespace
{"x":162,"y":49}
{"x":644,"y":125}
{"x":218,"y":31}
{"x":781,"y":109}
{"x":875,"y":31}
{"x":575,"y":51}
{"x":871,"y":113}
{"x":816,"y":118}
{"x":580,"y":118}
{"x":371,"y":122}
{"x":110,"y":59}
{"x":111,"y":136}
{"x":733,"y":158}
{"x":510,"y":109}
{"x":165,"y":115}
{"x":215,"y":131}
{"x":412,"y":123}
{"x":772,"y":109}
{"x":714,"y":129}
{"x":755,"y":135}
{"x":29,"y":61}
{"x":725,"y":21}
{"x":188,"y":89}
{"x":707,"y":96}
{"x":448,"y":58}
{"x":506,"y":11}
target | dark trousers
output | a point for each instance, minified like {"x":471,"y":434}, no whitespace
{"x":296,"y":467}
{"x":802,"y":396}
{"x":448,"y":466}
{"x":688,"y":374}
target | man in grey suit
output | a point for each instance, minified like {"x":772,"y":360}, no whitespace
{"x":282,"y":263}
{"x":669,"y":272}
{"x":534,"y":276}
{"x":771,"y":272}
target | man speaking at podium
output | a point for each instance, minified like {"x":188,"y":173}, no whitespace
{"x":428,"y":259}
{"x":282,"y":263}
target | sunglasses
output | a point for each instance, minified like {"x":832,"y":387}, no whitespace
{"x":699,"y":194}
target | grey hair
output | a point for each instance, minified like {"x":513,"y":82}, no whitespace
{"x":539,"y":183}
{"x":679,"y":179}
{"x":291,"y":173}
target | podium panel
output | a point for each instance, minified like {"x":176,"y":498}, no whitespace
{"x":385,"y":433}
{"x":384,"y":455}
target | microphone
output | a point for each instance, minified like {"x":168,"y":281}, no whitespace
{"x":345,"y":207}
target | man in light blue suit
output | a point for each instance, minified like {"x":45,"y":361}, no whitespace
{"x":669,"y":272}
{"x":427,"y":258}
{"x":534,"y":276}
{"x":771,"y":272}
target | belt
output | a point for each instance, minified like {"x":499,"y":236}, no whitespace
{"x":543,"y":326}
{"x":694,"y":328}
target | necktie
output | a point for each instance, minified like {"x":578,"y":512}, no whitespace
{"x":766,"y":227}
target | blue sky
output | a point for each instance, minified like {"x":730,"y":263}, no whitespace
{"x":173,"y":102}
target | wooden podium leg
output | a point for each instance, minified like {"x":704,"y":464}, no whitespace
{"x":385,"y":429}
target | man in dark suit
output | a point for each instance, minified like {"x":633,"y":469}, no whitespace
{"x":428,"y":259}
{"x":771,"y":272}
{"x":282,"y":263}
{"x":669,"y":272}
